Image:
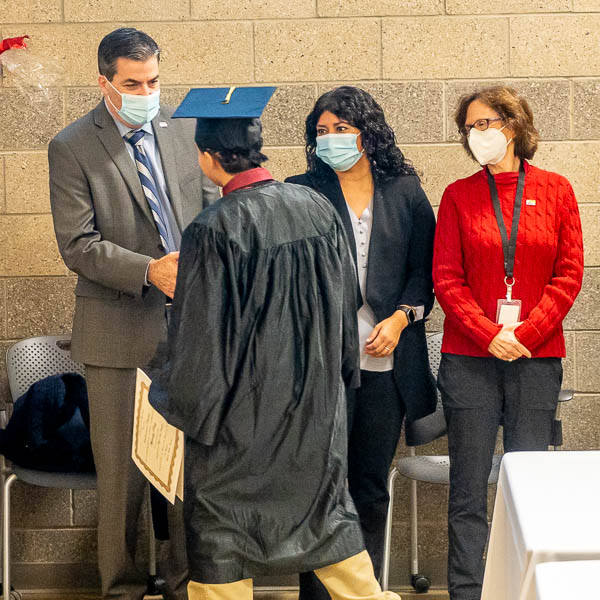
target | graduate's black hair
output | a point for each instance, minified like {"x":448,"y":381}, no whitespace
{"x":360,"y":110}
{"x":236,"y":143}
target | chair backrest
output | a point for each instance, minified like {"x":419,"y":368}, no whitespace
{"x":429,"y":428}
{"x":434,"y":348}
{"x":33,"y":359}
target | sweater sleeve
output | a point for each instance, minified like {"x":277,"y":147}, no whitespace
{"x":562,"y":289}
{"x":450,"y":284}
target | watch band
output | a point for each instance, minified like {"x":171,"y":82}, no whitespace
{"x":410,"y":312}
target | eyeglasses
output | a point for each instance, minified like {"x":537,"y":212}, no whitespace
{"x":480,"y":124}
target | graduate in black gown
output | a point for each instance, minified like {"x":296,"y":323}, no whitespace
{"x":262,"y":344}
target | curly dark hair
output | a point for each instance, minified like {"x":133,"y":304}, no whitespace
{"x":358,"y":108}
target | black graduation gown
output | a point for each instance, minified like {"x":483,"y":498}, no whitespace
{"x":263,"y":341}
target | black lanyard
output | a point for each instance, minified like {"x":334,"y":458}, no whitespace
{"x":508,"y":247}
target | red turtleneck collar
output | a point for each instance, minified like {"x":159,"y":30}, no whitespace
{"x":505,"y":176}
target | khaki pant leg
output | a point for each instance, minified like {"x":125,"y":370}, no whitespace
{"x":353,"y":579}
{"x":238,"y":590}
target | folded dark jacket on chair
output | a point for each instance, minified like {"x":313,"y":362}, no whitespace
{"x":50,"y":427}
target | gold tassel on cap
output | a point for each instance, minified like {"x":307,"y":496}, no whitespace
{"x":229,"y":94}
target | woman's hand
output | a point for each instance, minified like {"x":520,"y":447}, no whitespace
{"x":385,"y":335}
{"x":506,"y":346}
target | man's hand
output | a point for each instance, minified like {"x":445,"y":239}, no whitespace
{"x":162,"y":273}
{"x":385,"y":335}
{"x":506,"y":346}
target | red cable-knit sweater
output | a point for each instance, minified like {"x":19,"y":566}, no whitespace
{"x":468,"y":269}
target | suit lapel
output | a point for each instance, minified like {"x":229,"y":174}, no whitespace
{"x":164,"y":139}
{"x":115,"y":146}
{"x":333,"y":191}
{"x":377,"y":238}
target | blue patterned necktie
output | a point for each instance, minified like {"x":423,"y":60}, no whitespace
{"x":148,"y":184}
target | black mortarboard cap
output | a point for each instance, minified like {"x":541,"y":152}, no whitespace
{"x":225,"y":103}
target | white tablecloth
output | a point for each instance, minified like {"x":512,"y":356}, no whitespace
{"x":547,"y":509}
{"x":574,"y":580}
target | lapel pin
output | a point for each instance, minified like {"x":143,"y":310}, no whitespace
{"x":163,"y":124}
{"x":530,"y":202}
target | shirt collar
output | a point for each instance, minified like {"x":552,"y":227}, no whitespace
{"x":247,"y":179}
{"x":123,"y":129}
{"x":365,"y":216}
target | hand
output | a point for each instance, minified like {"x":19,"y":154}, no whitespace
{"x":385,"y":335}
{"x":506,"y":346}
{"x":162,"y":273}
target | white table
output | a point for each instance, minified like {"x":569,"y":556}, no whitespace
{"x":547,"y":509}
{"x":567,"y":580}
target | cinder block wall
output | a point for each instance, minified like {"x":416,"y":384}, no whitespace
{"x":415,"y":56}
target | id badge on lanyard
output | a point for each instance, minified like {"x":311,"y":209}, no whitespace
{"x":508,"y":309}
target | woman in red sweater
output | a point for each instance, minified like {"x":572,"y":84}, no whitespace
{"x":508,"y":265}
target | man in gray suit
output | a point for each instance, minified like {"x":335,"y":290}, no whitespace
{"x":124,"y":183}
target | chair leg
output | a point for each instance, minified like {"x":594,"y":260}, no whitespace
{"x":557,"y":419}
{"x":385,"y":567}
{"x":4,"y":471}
{"x":420,"y":583}
{"x":6,"y":535}
{"x":414,"y":531}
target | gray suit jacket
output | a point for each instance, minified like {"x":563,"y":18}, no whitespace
{"x":106,"y":233}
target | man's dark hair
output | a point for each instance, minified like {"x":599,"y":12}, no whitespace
{"x":236,"y":143}
{"x":124,"y":42}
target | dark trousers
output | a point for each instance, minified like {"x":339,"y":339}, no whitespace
{"x":375,"y":415}
{"x":479,"y":395}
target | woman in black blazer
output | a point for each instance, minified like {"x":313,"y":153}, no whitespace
{"x":353,"y":160}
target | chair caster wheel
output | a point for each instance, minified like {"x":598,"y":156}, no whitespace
{"x":14,"y":595}
{"x":420,"y":583}
{"x":156,"y":587}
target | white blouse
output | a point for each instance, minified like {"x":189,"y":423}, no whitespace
{"x":362,"y":227}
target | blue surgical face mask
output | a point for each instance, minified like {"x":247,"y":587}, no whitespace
{"x":339,"y":150}
{"x":137,"y":109}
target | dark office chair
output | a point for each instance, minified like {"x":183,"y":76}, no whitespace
{"x":433,"y":469}
{"x":29,"y":361}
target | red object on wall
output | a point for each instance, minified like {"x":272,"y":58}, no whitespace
{"x":16,"y":42}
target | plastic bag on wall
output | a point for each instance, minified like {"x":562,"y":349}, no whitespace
{"x":31,"y":75}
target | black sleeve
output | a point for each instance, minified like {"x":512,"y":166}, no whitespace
{"x":195,"y":383}
{"x":350,"y":343}
{"x":418,"y":290}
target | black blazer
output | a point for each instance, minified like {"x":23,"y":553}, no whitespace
{"x":399,"y":272}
